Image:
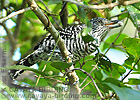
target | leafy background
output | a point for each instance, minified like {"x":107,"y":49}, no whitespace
{"x":121,"y":46}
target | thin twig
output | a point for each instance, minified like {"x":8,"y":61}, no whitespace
{"x":14,"y":14}
{"x":85,"y":85}
{"x":136,"y":32}
{"x":47,"y":61}
{"x":111,"y":5}
{"x":10,"y":37}
{"x":119,"y":14}
{"x":64,"y":15}
{"x":99,"y":92}
{"x":51,"y":78}
{"x":131,"y":69}
{"x":89,"y":73}
{"x":113,"y":94}
{"x":93,"y":6}
{"x":116,"y":37}
{"x":131,"y":2}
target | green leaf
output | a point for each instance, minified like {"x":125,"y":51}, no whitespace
{"x":74,"y":8}
{"x":19,"y":67}
{"x":135,"y":16}
{"x":60,"y":65}
{"x":50,"y":2}
{"x":87,"y":38}
{"x":30,"y":14}
{"x":133,"y":81}
{"x":82,"y":13}
{"x":137,"y":5}
{"x":99,"y":14}
{"x":129,"y":61}
{"x":113,"y":81}
{"x":122,"y":16}
{"x":125,"y":93}
{"x":137,"y":72}
{"x":110,"y":39}
{"x":103,"y":61}
{"x":132,"y":46}
{"x":98,"y":75}
{"x":118,"y":70}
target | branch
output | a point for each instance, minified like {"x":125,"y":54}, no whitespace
{"x":14,"y":14}
{"x":130,"y":70}
{"x":44,"y":19}
{"x":119,"y":14}
{"x":99,"y":92}
{"x":64,"y":15}
{"x":111,"y":5}
{"x":51,"y":14}
{"x":10,"y":37}
{"x":116,"y":37}
{"x":85,"y":85}
{"x":89,"y":73}
{"x":113,"y":94}
{"x":131,"y":2}
{"x":49,"y":77}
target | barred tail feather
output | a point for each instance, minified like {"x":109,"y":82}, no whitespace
{"x":27,"y":61}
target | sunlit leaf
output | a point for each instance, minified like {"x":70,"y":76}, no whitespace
{"x":111,"y":38}
{"x":54,"y":2}
{"x":113,"y":81}
{"x":60,"y":65}
{"x":133,"y":81}
{"x":123,"y":16}
{"x":132,"y":46}
{"x":87,"y":38}
{"x":99,"y":14}
{"x":118,"y":70}
{"x":137,"y":72}
{"x":30,"y":14}
{"x":19,"y":67}
{"x":125,"y":93}
{"x":129,"y":61}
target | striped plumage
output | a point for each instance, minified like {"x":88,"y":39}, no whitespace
{"x":73,"y":41}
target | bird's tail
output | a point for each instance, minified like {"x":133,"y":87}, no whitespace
{"x":27,"y":61}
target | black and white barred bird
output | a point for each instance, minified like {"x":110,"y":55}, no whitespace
{"x":73,"y":41}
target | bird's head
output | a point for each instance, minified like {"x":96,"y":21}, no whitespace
{"x":103,"y":22}
{"x":100,"y":26}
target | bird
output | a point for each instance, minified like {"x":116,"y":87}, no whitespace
{"x":73,"y":42}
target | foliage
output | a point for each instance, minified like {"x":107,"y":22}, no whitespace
{"x":108,"y":75}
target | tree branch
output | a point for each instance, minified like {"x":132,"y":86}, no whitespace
{"x":111,"y":5}
{"x":85,"y":85}
{"x":64,"y":15}
{"x":10,"y":37}
{"x":116,"y":37}
{"x":44,"y":19}
{"x":99,"y":92}
{"x":131,"y":69}
{"x":14,"y":14}
{"x":51,"y":14}
{"x":89,"y":73}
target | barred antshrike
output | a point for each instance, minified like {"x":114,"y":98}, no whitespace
{"x":73,"y":42}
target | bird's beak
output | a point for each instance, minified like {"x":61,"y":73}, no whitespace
{"x":114,"y":24}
